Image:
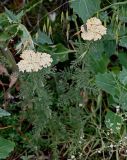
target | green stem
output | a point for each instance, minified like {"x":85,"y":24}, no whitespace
{"x":36,"y":4}
{"x":114,"y":4}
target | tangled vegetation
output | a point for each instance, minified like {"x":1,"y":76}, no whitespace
{"x":63,"y":79}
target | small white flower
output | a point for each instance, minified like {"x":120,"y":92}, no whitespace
{"x":32,"y":62}
{"x":80,"y":155}
{"x":95,"y":30}
{"x":81,"y":137}
{"x":111,"y":145}
{"x":117,"y":109}
{"x":118,"y":124}
{"x":108,"y":133}
{"x":99,"y":151}
{"x":6,"y":49}
{"x":72,"y":157}
{"x":111,"y":124}
{"x":80,"y":105}
{"x":52,"y":16}
{"x":117,"y":128}
{"x":108,"y":121}
{"x":111,"y":131}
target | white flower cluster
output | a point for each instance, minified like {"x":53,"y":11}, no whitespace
{"x":32,"y":62}
{"x":94,"y":29}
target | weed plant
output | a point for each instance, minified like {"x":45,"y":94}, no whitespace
{"x":72,"y":103}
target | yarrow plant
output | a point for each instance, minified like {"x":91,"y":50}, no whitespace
{"x":33,"y":62}
{"x":95,"y":29}
{"x":78,"y":108}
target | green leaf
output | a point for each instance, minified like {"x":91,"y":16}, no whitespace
{"x":96,"y":49}
{"x":10,"y":15}
{"x":13,"y":18}
{"x":19,"y":16}
{"x":6,"y":147}
{"x":123,"y":42}
{"x":100,"y":64}
{"x":26,"y":38}
{"x":123,"y":58}
{"x":110,"y":47}
{"x":4,"y":113}
{"x":123,"y":14}
{"x":110,"y":36}
{"x":60,"y":53}
{"x":12,"y":30}
{"x":3,"y":20}
{"x":107,"y":82}
{"x":122,"y":100}
{"x":113,"y":121}
{"x":4,"y":36}
{"x":43,"y":38}
{"x":123,"y":76}
{"x":85,"y":8}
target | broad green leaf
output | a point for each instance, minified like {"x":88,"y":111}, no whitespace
{"x":100,"y":64}
{"x":123,"y":58}
{"x":107,"y":82}
{"x":110,"y":33}
{"x":60,"y":53}
{"x":26,"y":38}
{"x":123,"y":76}
{"x":4,"y":36}
{"x":3,"y":20}
{"x":115,"y":69}
{"x":110,"y":47}
{"x":45,"y":48}
{"x":96,"y":49}
{"x":123,"y":42}
{"x":12,"y":30}
{"x":43,"y":38}
{"x":122,"y":100}
{"x":85,"y":8}
{"x":4,"y":113}
{"x":6,"y":146}
{"x":113,"y":121}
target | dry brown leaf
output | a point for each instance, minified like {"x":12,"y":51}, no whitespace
{"x":8,"y":96}
{"x":3,"y":70}
{"x":13,"y":79}
{"x":1,"y":83}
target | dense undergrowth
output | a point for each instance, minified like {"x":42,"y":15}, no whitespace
{"x":74,"y":107}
